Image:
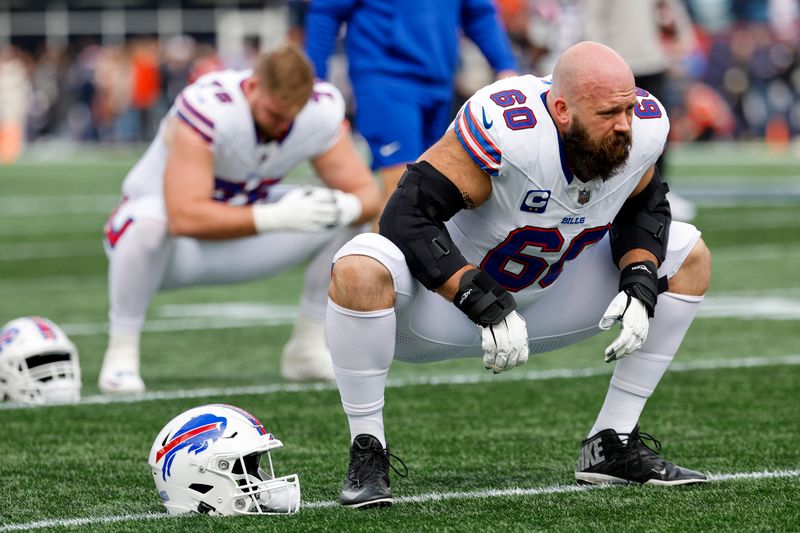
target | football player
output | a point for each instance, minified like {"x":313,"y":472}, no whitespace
{"x":511,"y":235}
{"x":204,"y":205}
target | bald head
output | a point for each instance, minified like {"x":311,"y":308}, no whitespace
{"x":590,"y":68}
{"x":592,"y":102}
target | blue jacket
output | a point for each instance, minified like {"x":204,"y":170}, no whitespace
{"x":414,"y":41}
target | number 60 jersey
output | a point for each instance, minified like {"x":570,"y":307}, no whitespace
{"x":539,"y":217}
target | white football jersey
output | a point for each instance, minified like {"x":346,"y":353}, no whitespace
{"x":244,"y":165}
{"x":539,"y":216}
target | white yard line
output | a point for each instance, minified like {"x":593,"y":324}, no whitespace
{"x":30,"y":206}
{"x":55,"y":283}
{"x":745,"y":307}
{"x":94,"y":247}
{"x":182,"y":324}
{"x":763,"y":252}
{"x":420,"y":498}
{"x":553,"y":489}
{"x":193,"y":317}
{"x":783,"y":304}
{"x":445,"y":379}
{"x":50,"y":250}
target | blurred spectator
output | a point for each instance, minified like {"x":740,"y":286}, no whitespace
{"x":146,"y":80}
{"x":540,"y":30}
{"x":175,"y":67}
{"x":741,"y":81}
{"x":14,"y":99}
{"x":206,"y":60}
{"x":704,"y":116}
{"x":297,"y":21}
{"x":109,"y":95}
{"x":247,"y":55}
{"x":47,"y":79}
{"x":752,"y":61}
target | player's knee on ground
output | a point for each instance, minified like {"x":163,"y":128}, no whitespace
{"x":361,"y":283}
{"x":694,"y":276}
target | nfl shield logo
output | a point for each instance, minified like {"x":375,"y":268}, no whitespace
{"x":583,"y":196}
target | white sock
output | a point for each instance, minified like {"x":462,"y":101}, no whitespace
{"x":309,"y":332}
{"x":637,"y":375}
{"x":362,"y":348}
{"x":620,"y":411}
{"x":122,"y":353}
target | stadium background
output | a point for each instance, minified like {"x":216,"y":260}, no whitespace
{"x":82,"y":87}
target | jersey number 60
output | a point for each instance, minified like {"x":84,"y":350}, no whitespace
{"x":511,"y":264}
{"x":517,"y":118}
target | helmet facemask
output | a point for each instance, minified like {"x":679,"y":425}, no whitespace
{"x":38,"y":363}
{"x":258,"y":491}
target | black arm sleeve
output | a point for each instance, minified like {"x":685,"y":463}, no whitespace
{"x":414,"y":220}
{"x":643,"y":222}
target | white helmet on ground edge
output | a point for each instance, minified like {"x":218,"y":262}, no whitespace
{"x":206,"y":460}
{"x":38,"y":363}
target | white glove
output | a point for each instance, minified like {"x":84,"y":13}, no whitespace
{"x":506,"y":344}
{"x":349,"y":207}
{"x":632,"y":314}
{"x":303,"y":209}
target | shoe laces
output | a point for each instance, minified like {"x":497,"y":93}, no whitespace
{"x":643,"y":453}
{"x":637,"y":439}
{"x":370,"y":461}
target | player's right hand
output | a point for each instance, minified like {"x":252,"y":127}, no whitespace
{"x":505,"y":345}
{"x":305,"y":208}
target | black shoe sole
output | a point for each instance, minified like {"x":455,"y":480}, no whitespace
{"x":382,"y":502}
{"x":586,"y":478}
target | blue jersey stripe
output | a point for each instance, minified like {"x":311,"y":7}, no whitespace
{"x":481,"y":137}
{"x":478,"y":161}
{"x":200,"y":132}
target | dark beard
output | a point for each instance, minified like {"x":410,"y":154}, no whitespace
{"x":589,"y":159}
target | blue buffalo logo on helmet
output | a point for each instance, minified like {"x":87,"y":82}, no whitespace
{"x":195,"y":435}
{"x":7,"y":336}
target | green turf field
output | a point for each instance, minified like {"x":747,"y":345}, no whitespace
{"x":484,"y":452}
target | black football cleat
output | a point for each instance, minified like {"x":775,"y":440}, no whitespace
{"x":605,"y":459}
{"x":367,"y":483}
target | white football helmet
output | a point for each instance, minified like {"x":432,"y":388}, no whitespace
{"x":38,"y":363}
{"x":206,"y":460}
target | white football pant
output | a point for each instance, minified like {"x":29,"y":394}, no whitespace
{"x":424,"y":327}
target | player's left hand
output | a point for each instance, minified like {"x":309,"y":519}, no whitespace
{"x":505,"y":345}
{"x":348,"y":207}
{"x":634,"y":324}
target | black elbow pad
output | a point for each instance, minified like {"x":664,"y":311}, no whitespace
{"x":643,"y":222}
{"x":414,"y":220}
